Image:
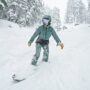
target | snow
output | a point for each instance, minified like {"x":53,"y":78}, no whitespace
{"x":1,"y":4}
{"x":67,"y":69}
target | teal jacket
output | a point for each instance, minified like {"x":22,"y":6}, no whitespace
{"x":45,"y":33}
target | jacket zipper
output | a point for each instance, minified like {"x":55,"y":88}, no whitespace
{"x":45,"y":33}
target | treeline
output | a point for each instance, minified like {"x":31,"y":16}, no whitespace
{"x":23,"y":12}
{"x":77,"y":12}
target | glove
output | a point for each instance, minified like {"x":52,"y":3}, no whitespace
{"x":61,"y":45}
{"x":29,"y":44}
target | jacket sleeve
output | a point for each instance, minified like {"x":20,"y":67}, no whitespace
{"x":55,"y":36}
{"x":36,"y":33}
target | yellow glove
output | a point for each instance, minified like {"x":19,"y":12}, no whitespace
{"x":62,"y":45}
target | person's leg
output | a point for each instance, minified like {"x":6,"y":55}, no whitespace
{"x":37,"y":54}
{"x":45,"y":53}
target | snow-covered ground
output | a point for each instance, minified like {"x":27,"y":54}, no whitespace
{"x":68,"y":69}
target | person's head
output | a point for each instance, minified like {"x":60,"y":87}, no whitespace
{"x":46,"y":20}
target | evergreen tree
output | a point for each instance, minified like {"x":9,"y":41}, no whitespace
{"x":55,"y":14}
{"x":75,"y":12}
{"x":56,"y":18}
{"x":3,"y":6}
{"x":88,"y":13}
{"x":1,"y":10}
{"x":4,"y":2}
{"x":24,"y":12}
{"x":69,"y":13}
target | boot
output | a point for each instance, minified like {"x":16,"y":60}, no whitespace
{"x":34,"y":62}
{"x":45,"y":60}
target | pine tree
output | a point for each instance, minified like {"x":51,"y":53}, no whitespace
{"x":24,"y":12}
{"x":56,"y":18}
{"x":35,"y":11}
{"x":3,"y":6}
{"x":16,"y":10}
{"x":1,"y":10}
{"x":88,"y":13}
{"x":55,"y":15}
{"x":69,"y":13}
{"x":75,"y":12}
{"x":4,"y":2}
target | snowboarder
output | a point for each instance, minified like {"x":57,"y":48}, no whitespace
{"x":44,"y":32}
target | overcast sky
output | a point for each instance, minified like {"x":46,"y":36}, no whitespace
{"x":62,"y":4}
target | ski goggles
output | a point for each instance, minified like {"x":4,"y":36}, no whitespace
{"x":45,"y":21}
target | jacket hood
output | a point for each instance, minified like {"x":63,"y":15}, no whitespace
{"x":47,"y":17}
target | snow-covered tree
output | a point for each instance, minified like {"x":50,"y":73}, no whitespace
{"x":3,"y":6}
{"x":56,"y":18}
{"x":25,"y":12}
{"x":55,"y":14}
{"x":17,"y":10}
{"x":88,"y":13}
{"x":69,"y":14}
{"x":4,"y":2}
{"x":1,"y":9}
{"x":76,"y":12}
{"x":35,"y":11}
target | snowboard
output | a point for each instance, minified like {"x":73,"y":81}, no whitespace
{"x":17,"y":79}
{"x":24,"y":73}
{"x":27,"y":71}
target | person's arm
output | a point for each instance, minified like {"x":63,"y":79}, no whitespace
{"x":36,"y":33}
{"x":57,"y":39}
{"x":55,"y":36}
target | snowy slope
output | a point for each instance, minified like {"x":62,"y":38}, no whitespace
{"x":68,"y":69}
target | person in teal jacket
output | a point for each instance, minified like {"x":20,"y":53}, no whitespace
{"x":44,"y":32}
